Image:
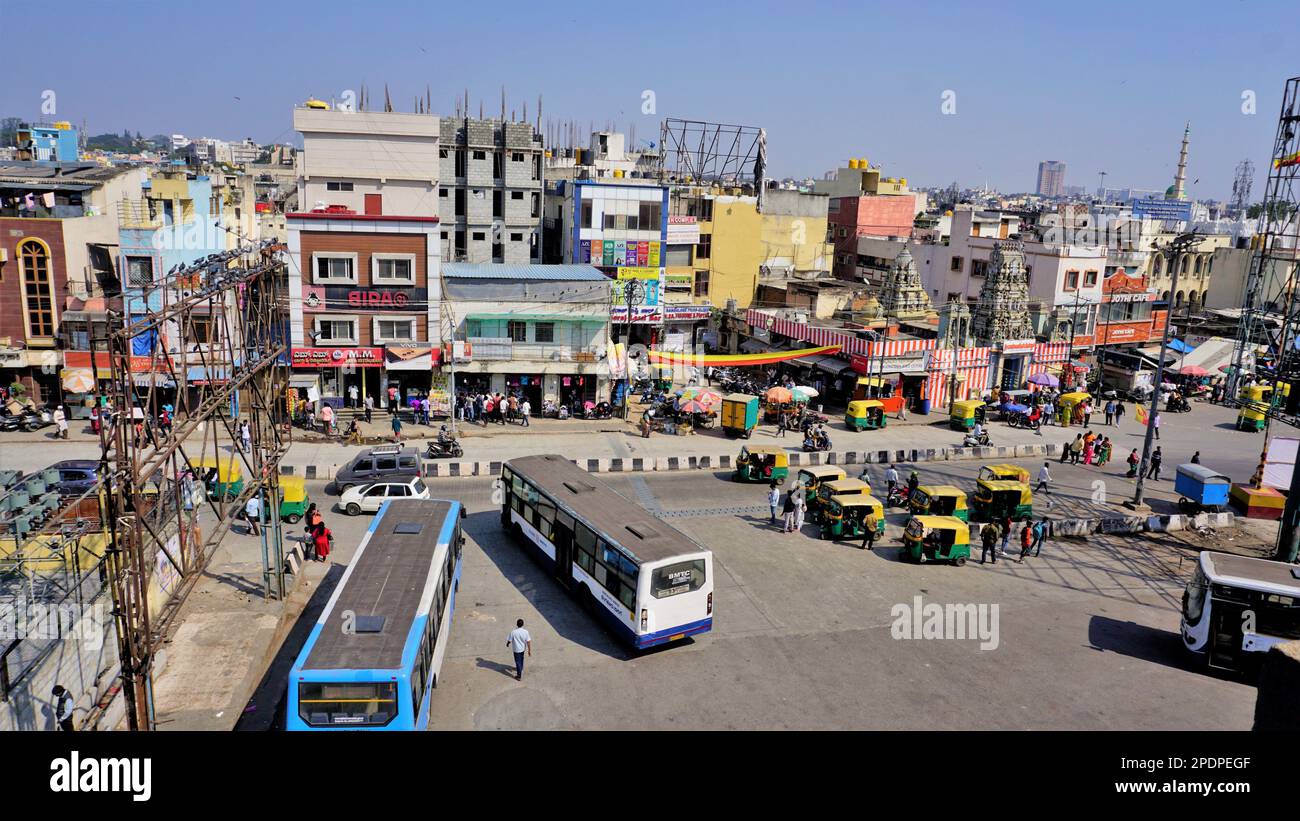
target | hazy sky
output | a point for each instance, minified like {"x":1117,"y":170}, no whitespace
{"x":1100,"y":86}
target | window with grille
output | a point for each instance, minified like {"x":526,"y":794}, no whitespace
{"x":139,"y":271}
{"x":544,"y":332}
{"x":518,"y":331}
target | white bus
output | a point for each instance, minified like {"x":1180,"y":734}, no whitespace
{"x":1236,"y":607}
{"x":647,"y":580}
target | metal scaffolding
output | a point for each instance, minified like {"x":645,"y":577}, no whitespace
{"x":216,"y":331}
{"x":696,"y":153}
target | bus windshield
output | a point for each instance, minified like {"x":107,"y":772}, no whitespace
{"x":347,"y":703}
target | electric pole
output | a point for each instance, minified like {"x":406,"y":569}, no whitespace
{"x":1180,"y":245}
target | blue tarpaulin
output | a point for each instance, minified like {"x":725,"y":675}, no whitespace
{"x":142,"y":345}
{"x":1180,"y":346}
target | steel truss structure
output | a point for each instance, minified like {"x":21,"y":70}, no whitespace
{"x":1268,"y":307}
{"x":218,"y":333}
{"x":693,"y":152}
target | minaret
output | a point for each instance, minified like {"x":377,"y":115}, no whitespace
{"x":1179,"y":189}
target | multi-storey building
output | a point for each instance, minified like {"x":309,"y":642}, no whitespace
{"x":863,"y":204}
{"x":1051,"y":179}
{"x":369,"y":162}
{"x":490,"y":190}
{"x":539,"y":330}
{"x":58,"y":277}
{"x":47,"y":142}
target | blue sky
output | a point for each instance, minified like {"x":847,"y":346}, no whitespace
{"x":1101,"y":86}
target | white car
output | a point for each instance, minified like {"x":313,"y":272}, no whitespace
{"x":370,"y":498}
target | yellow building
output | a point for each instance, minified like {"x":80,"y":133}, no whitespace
{"x":738,"y":244}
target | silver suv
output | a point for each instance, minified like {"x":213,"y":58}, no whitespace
{"x":385,"y":463}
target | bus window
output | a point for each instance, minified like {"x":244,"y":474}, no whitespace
{"x":323,"y":705}
{"x":517,"y":486}
{"x":545,"y":516}
{"x":1194,"y":598}
{"x":531,"y":494}
{"x":673,"y":579}
{"x":565,"y":520}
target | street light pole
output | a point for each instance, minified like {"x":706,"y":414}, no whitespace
{"x":1178,"y":246}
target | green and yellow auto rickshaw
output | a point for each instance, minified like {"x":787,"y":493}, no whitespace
{"x":762,"y":463}
{"x":1253,"y":416}
{"x":662,"y":377}
{"x":812,"y":477}
{"x":965,"y":413}
{"x":293,"y":498}
{"x":939,"y":500}
{"x":1012,"y":473}
{"x":865,"y":414}
{"x":998,"y":499}
{"x":223,"y":477}
{"x":936,"y":539}
{"x":844,"y":517}
{"x":839,"y":487}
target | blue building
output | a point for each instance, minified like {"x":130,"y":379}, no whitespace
{"x":176,"y":221}
{"x":48,"y":142}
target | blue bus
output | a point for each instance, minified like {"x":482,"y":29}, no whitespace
{"x":649,"y":582}
{"x":372,"y":660}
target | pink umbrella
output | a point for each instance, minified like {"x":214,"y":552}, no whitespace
{"x":1194,"y":370}
{"x":692,"y":406}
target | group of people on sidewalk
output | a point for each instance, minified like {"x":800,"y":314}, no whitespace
{"x":1088,"y":448}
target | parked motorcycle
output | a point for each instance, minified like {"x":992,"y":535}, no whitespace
{"x":9,"y":423}
{"x":898,"y":496}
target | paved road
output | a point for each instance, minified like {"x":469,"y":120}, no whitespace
{"x":1088,"y":637}
{"x":1208,"y":428}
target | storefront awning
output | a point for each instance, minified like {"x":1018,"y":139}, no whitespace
{"x":299,"y":380}
{"x":144,"y":380}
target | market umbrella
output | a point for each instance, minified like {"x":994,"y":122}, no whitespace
{"x":806,"y":391}
{"x":1225,"y":369}
{"x":80,"y":380}
{"x":778,"y":394}
{"x":707,"y":397}
{"x":1045,"y":379}
{"x":692,"y":406}
{"x":1015,"y":407}
{"x":1194,"y":370}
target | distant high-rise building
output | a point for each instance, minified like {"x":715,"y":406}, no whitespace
{"x":1051,"y":178}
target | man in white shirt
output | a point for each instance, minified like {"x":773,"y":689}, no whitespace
{"x":519,"y":641}
{"x":253,"y":513}
{"x":352,"y":395}
{"x":525,"y":409}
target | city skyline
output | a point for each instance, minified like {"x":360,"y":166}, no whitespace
{"x":1121,"y":112}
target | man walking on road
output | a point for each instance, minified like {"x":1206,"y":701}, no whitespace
{"x":370,"y":407}
{"x":988,"y":536}
{"x":869,"y":525}
{"x":397,"y":428}
{"x":520,"y":642}
{"x":1154,"y":470}
{"x":1040,"y":536}
{"x":1044,"y":479}
{"x":525,"y":410}
{"x":1155,"y":424}
{"x":773,"y":499}
{"x":1110,"y":411}
{"x":891,"y":480}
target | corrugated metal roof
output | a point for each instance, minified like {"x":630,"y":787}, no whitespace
{"x":497,"y":270}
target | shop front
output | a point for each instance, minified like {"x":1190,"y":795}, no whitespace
{"x":335,"y":369}
{"x":409,"y":368}
{"x":526,"y":386}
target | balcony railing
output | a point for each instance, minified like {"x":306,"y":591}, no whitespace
{"x":500,"y":349}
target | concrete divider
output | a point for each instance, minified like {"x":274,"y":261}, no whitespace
{"x":437,"y":469}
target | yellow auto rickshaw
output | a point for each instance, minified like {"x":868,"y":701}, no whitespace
{"x":293,"y":498}
{"x":844,"y":516}
{"x":812,"y":477}
{"x":965,"y":413}
{"x":762,"y":463}
{"x":998,"y":499}
{"x":223,"y":477}
{"x":838,"y":487}
{"x":939,"y":500}
{"x":1253,"y":416}
{"x":865,"y":414}
{"x":936,"y":538}
{"x":1066,"y":404}
{"x":1012,"y":473}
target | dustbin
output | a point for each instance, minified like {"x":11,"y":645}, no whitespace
{"x":925,"y":407}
